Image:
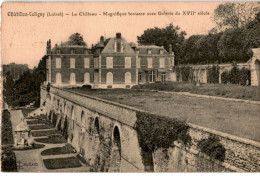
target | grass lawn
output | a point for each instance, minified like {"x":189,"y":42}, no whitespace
{"x":27,"y":111}
{"x":237,"y":118}
{"x":52,"y":140}
{"x":59,"y":150}
{"x":222,"y":90}
{"x":44,"y":133}
{"x":59,"y":163}
{"x":40,"y":127}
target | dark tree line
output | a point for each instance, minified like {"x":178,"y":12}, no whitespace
{"x":233,"y":44}
{"x":26,"y":89}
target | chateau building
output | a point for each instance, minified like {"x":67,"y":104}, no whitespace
{"x":114,"y":64}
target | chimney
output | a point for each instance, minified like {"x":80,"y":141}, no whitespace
{"x":118,"y":35}
{"x":170,"y":48}
{"x":101,"y":42}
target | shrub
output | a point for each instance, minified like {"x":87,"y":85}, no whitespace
{"x":87,"y":86}
{"x":8,"y":160}
{"x":212,"y":147}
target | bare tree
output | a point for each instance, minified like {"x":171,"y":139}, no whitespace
{"x":235,"y":14}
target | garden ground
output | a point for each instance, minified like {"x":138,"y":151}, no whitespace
{"x":236,"y":118}
{"x":34,"y":161}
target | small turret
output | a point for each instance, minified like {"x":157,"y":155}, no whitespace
{"x":48,"y":47}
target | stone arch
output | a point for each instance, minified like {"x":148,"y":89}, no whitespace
{"x":72,"y":78}
{"x":110,"y":78}
{"x":86,"y":78}
{"x":58,"y":78}
{"x":115,"y":163}
{"x":96,"y":131}
{"x":128,"y":78}
{"x":257,"y":72}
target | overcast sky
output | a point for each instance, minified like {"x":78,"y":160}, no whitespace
{"x":24,"y":38}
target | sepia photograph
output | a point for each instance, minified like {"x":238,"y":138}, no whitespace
{"x":130,"y":87}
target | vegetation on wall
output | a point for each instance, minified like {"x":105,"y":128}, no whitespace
{"x":184,"y":73}
{"x":160,"y":132}
{"x":212,"y":147}
{"x":213,"y":75}
{"x":236,"y":76}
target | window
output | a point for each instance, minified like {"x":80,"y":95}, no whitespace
{"x":162,"y":63}
{"x":139,"y":77}
{"x":109,"y":78}
{"x":149,"y":51}
{"x":72,"y":78}
{"x":163,"y":77}
{"x":58,"y":78}
{"x":86,"y":62}
{"x":151,"y":76}
{"x":72,"y":62}
{"x":127,"y":62}
{"x":150,"y":63}
{"x":58,"y":62}
{"x":138,"y":64}
{"x":72,"y":51}
{"x":86,"y":78}
{"x":109,"y":61}
{"x":127,"y":78}
{"x":161,"y":51}
{"x":57,"y":51}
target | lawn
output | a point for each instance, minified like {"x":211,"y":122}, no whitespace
{"x":237,"y":118}
{"x":59,"y":163}
{"x":52,"y":140}
{"x":44,"y":133}
{"x":40,"y":127}
{"x":59,"y":150}
{"x":221,"y":90}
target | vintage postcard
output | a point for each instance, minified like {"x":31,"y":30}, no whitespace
{"x":130,"y":87}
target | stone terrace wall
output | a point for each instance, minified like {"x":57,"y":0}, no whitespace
{"x":241,"y":154}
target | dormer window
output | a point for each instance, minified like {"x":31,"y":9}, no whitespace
{"x":149,"y":51}
{"x":161,"y":51}
{"x":72,"y":51}
{"x":58,"y":51}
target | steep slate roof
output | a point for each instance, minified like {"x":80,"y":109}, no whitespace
{"x":109,"y":48}
{"x":66,"y":49}
{"x":22,"y":126}
{"x":155,"y":49}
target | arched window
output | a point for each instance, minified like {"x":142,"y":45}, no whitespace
{"x":72,"y":78}
{"x":86,"y":78}
{"x":109,"y":78}
{"x":58,"y":78}
{"x":128,"y":78}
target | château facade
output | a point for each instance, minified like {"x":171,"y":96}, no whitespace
{"x":113,"y":64}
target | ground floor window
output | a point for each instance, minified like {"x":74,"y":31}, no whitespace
{"x":151,"y":76}
{"x":163,"y":77}
{"x":140,"y":77}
